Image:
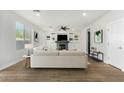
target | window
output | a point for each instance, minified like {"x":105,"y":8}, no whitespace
{"x":19,"y":36}
{"x":27,"y":34}
{"x":19,"y":31}
{"x":23,"y":35}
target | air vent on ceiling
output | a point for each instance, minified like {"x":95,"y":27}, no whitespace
{"x":36,"y":12}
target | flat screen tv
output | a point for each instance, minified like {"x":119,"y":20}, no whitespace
{"x":62,"y":38}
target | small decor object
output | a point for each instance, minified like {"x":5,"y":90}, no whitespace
{"x":99,"y":36}
{"x":93,"y":49}
{"x":48,"y":37}
{"x":71,"y":33}
{"x":70,"y":39}
{"x":36,"y":37}
{"x":76,"y":39}
{"x":53,"y":33}
{"x":53,"y":38}
{"x":76,"y":36}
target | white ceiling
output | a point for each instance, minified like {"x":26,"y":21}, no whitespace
{"x":57,"y":18}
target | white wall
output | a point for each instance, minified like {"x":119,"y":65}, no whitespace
{"x":84,"y":39}
{"x":102,"y":23}
{"x":8,"y":52}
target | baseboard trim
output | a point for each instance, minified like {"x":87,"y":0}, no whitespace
{"x":4,"y":66}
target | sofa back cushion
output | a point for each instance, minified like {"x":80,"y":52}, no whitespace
{"x":45,"y":53}
{"x":71,"y":53}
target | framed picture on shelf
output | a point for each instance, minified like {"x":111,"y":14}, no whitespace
{"x":76,"y":36}
{"x":70,"y":39}
{"x":48,"y":37}
{"x":98,"y":36}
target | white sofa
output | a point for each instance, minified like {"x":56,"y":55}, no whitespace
{"x":58,"y":59}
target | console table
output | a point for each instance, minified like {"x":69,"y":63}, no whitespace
{"x":95,"y":55}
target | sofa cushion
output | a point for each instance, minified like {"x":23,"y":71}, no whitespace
{"x":45,"y":53}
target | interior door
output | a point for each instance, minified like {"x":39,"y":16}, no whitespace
{"x":116,"y":44}
{"x":88,"y":41}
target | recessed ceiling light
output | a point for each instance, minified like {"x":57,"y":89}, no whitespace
{"x":84,"y":14}
{"x":36,"y":12}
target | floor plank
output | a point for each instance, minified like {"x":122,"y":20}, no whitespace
{"x":96,"y":72}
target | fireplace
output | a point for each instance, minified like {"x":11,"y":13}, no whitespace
{"x":62,"y":45}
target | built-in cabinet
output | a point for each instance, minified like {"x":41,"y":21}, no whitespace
{"x":73,"y":38}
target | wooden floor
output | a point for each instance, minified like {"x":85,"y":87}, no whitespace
{"x":96,"y":72}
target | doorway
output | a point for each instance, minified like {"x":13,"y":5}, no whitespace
{"x":88,"y":41}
